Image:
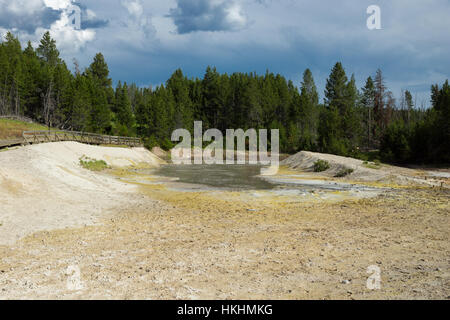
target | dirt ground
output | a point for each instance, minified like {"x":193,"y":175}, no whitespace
{"x":172,"y":245}
{"x":166,"y":244}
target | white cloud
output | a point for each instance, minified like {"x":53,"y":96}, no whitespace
{"x":68,"y":39}
{"x":58,"y":4}
{"x":25,"y":14}
{"x":134,"y":8}
{"x":29,"y":19}
{"x":235,"y":16}
{"x":23,"y":7}
{"x":136,"y":28}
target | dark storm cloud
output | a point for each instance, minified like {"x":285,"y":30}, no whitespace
{"x":204,"y":15}
{"x":37,"y":15}
{"x":28,"y":21}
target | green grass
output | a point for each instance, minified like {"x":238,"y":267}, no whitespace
{"x":12,"y":129}
{"x":372,"y":165}
{"x":93,"y":164}
{"x":115,"y":146}
{"x":321,"y":165}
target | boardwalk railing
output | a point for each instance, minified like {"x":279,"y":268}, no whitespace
{"x":83,"y":137}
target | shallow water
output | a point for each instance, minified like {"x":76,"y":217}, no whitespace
{"x":236,"y":177}
{"x":246,"y":177}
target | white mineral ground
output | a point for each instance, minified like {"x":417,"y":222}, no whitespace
{"x":44,"y":187}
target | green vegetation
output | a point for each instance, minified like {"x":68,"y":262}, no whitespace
{"x":36,"y":82}
{"x":321,"y":165}
{"x":344,"y":172}
{"x":372,"y":165}
{"x":424,"y":141}
{"x":12,"y":129}
{"x":115,"y":146}
{"x":93,"y":164}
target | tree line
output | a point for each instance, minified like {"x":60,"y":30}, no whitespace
{"x":37,"y":83}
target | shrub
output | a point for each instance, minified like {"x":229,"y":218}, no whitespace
{"x":321,"y":165}
{"x":372,"y":165}
{"x":150,"y":142}
{"x":166,"y":144}
{"x":344,"y":172}
{"x":93,"y":164}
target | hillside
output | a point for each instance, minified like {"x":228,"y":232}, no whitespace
{"x":365,"y":171}
{"x":12,"y":129}
{"x":44,"y":186}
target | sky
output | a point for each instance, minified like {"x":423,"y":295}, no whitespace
{"x":146,"y":41}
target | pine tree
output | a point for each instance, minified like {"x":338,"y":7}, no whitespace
{"x":47,"y":50}
{"x":184,"y":111}
{"x":368,"y":102}
{"x":379,"y":105}
{"x":49,"y":55}
{"x":125,"y":121}
{"x":81,"y":104}
{"x":333,"y":127}
{"x":440,"y":128}
{"x":336,"y":89}
{"x":163,"y":114}
{"x":409,"y":106}
{"x":350,"y":121}
{"x":268,"y":99}
{"x":63,"y":94}
{"x":309,"y":86}
{"x":99,"y":114}
{"x":250,"y":104}
{"x":307,"y":118}
{"x":4,"y":70}
{"x":330,"y":132}
{"x":211,"y":103}
{"x":31,"y":71}
{"x":14,"y":74}
{"x":284,"y":100}
{"x":99,"y":71}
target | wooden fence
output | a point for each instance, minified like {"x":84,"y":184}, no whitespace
{"x":31,"y":137}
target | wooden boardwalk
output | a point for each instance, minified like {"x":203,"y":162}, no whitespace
{"x":11,"y":143}
{"x":32,"y":137}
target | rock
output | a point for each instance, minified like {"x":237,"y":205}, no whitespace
{"x":346,"y":281}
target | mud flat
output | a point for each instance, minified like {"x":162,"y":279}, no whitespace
{"x":165,"y":239}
